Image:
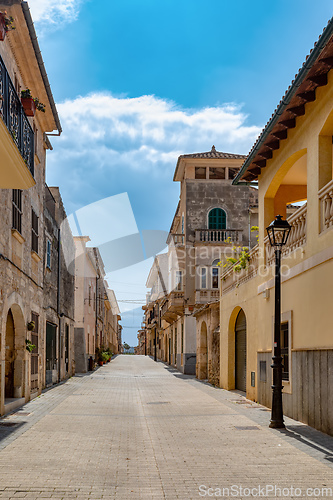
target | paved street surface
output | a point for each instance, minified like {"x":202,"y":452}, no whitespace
{"x":139,"y":429}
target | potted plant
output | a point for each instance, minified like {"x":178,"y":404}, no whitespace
{"x":105,"y":356}
{"x":6,"y":24}
{"x":31,"y":326}
{"x":30,"y":104}
{"x":29,"y":345}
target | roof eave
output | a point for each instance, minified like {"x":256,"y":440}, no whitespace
{"x":326,"y":35}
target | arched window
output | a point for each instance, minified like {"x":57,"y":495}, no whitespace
{"x":217,"y":219}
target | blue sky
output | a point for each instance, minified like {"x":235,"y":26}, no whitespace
{"x":137,"y":83}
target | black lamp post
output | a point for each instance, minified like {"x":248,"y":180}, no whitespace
{"x":278,"y":232}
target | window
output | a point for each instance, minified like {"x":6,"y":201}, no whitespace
{"x":179,"y":280}
{"x":34,"y":231}
{"x":182,"y":339}
{"x":216,"y":173}
{"x":48,"y":254}
{"x":89,"y":295}
{"x":217,"y":219}
{"x":284,"y":339}
{"x":215,"y":273}
{"x":203,"y":277}
{"x":183,"y":224}
{"x":215,"y":277}
{"x":17,"y":210}
{"x":200,"y":172}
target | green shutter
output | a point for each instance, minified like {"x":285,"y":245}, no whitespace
{"x":217,"y":219}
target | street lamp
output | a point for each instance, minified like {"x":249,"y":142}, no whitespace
{"x":278,"y":232}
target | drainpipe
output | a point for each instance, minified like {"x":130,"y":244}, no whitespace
{"x":58,"y":305}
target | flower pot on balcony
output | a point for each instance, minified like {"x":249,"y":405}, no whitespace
{"x":29,"y":106}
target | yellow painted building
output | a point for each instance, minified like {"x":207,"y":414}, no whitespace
{"x":292,"y":163}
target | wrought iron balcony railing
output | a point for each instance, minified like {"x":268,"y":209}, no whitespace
{"x":12,"y":113}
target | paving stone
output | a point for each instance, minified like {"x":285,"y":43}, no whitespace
{"x":133,"y":429}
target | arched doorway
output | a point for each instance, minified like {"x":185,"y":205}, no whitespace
{"x":15,"y":354}
{"x":240,"y":351}
{"x":9,"y":356}
{"x":203,"y":353}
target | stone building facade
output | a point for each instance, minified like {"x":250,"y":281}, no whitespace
{"x":23,"y":141}
{"x":97,"y":314}
{"x":58,"y":290}
{"x":211,"y":219}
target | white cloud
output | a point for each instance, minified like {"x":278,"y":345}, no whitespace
{"x":113,"y":144}
{"x":54,"y":11}
{"x":145,"y":131}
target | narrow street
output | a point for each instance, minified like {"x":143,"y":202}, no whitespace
{"x":139,"y":429}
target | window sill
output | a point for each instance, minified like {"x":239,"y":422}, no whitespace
{"x":35,"y":256}
{"x":18,"y":236}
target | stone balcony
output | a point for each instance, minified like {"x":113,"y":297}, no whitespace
{"x":218,"y":236}
{"x":178,"y":240}
{"x":297,"y":239}
{"x":326,"y":206}
{"x":173,"y":306}
{"x":205,"y":296}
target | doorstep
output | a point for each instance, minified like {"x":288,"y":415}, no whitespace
{"x":12,"y":403}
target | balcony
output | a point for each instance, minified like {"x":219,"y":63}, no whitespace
{"x":297,"y":236}
{"x":178,"y":240}
{"x":173,"y":306}
{"x":16,"y":138}
{"x":205,"y":296}
{"x":297,"y":239}
{"x":218,"y":236}
{"x":326,"y":206}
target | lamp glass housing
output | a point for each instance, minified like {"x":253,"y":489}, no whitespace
{"x":278,"y":232}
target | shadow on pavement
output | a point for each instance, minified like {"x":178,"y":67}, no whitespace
{"x":308,"y":436}
{"x":177,"y":373}
{"x":7,"y":428}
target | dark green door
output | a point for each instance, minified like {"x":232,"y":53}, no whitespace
{"x":240,"y":352}
{"x":51,"y":346}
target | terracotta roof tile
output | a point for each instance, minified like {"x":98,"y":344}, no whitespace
{"x":214,"y":154}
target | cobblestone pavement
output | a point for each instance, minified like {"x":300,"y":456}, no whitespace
{"x":138,"y":429}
